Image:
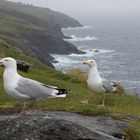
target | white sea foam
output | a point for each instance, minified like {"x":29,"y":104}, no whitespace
{"x":74,"y":38}
{"x":91,"y":52}
{"x":63,"y":59}
{"x":74,"y":59}
{"x":78,"y":28}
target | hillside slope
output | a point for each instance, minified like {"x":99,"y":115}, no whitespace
{"x":118,"y":105}
{"x":36,"y":31}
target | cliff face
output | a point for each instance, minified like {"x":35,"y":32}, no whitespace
{"x":36,"y":31}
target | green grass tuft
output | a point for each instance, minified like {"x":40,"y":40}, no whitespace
{"x":133,"y":132}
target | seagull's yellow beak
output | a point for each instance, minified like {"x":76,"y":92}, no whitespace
{"x":86,"y":62}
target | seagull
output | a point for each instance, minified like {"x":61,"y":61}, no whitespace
{"x":96,"y":83}
{"x":25,"y":89}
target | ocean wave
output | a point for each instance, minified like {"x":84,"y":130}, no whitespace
{"x":66,"y":62}
{"x":78,"y":28}
{"x":80,"y":39}
{"x":74,"y":58}
{"x":91,"y":52}
{"x":63,"y":59}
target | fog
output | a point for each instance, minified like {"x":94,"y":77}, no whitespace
{"x":87,"y":8}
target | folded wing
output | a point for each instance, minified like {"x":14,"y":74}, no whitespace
{"x":36,"y":90}
{"x":107,"y":86}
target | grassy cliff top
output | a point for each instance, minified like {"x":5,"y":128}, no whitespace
{"x":46,"y":14}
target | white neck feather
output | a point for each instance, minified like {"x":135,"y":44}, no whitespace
{"x":93,"y":72}
{"x":10,"y":75}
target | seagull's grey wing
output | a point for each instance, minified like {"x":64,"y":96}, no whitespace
{"x":107,"y":85}
{"x":34,"y":89}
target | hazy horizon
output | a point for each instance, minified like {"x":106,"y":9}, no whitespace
{"x":88,"y":8}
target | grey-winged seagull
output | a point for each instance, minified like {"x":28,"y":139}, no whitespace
{"x":96,"y":83}
{"x":26,"y":89}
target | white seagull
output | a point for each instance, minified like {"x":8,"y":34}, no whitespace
{"x":26,"y":89}
{"x":96,"y":83}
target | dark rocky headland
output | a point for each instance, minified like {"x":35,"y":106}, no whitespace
{"x":34,"y":30}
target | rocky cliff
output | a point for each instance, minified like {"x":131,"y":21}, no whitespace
{"x":36,"y":31}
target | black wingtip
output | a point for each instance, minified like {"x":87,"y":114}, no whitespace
{"x":63,"y":91}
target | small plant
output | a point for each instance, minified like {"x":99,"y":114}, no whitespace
{"x":78,"y":74}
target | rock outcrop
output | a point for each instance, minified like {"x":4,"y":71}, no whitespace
{"x":23,"y":66}
{"x":61,"y":126}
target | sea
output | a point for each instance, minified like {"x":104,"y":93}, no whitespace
{"x":114,"y":45}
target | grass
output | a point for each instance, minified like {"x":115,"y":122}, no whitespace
{"x":116,"y":104}
{"x":133,"y":133}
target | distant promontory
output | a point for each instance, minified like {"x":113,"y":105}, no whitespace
{"x":35,"y":31}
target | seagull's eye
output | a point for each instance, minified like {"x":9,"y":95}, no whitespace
{"x":6,"y":60}
{"x":91,"y":61}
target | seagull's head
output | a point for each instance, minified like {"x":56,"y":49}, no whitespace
{"x":8,"y":62}
{"x":91,"y":63}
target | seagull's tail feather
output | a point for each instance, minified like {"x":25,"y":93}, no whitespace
{"x":63,"y":92}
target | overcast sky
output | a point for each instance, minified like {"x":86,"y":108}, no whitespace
{"x":78,"y":8}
